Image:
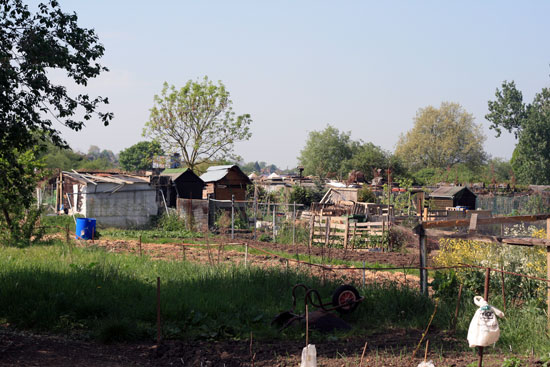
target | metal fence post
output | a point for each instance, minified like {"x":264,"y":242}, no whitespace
{"x":232,"y":217}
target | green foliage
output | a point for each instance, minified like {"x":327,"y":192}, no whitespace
{"x":21,"y":172}
{"x":365,"y":195}
{"x":171,"y":222}
{"x":139,"y":156}
{"x":325,"y":151}
{"x":459,"y":173}
{"x":530,"y":123}
{"x":34,"y":45}
{"x":442,"y":137}
{"x":512,"y":362}
{"x":305,"y":196}
{"x":198,"y":121}
{"x":366,"y":157}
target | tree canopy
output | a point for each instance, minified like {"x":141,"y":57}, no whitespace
{"x":442,"y":137}
{"x":198,"y":121}
{"x":139,"y":156}
{"x":530,"y":123}
{"x":325,"y":151}
{"x":32,"y":45}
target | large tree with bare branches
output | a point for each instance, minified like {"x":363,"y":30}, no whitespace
{"x":198,"y":121}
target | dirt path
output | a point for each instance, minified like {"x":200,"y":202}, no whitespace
{"x":393,"y":348}
{"x":217,"y":253}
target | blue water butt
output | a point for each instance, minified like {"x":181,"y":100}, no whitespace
{"x":85,"y":228}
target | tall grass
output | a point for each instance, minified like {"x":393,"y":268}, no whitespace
{"x":112,"y":296}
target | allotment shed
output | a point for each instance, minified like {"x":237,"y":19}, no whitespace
{"x":453,"y":196}
{"x":179,"y":183}
{"x":224,"y":181}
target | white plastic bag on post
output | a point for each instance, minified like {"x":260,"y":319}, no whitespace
{"x":309,"y":356}
{"x":484,"y":329}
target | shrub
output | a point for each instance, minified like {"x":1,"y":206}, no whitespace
{"x":523,"y":260}
{"x":365,"y":195}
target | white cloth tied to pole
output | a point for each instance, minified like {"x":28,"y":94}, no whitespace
{"x":484,"y":330}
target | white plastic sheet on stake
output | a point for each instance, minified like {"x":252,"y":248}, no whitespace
{"x":309,"y":356}
{"x":484,"y":330}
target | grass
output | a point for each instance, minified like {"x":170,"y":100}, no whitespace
{"x":112,"y":296}
{"x":149,"y":235}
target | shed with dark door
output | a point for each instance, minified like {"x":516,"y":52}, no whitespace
{"x":180,"y":183}
{"x":453,"y":196}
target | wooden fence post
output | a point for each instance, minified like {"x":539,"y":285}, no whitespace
{"x":311,"y":230}
{"x":346,"y":234}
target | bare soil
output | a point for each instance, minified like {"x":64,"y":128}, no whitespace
{"x":391,"y":348}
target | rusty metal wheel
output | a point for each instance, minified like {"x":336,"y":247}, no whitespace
{"x":346,"y":298}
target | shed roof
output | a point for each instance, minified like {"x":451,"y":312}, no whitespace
{"x":106,"y":178}
{"x":216,"y":173}
{"x":174,"y":173}
{"x":448,"y":191}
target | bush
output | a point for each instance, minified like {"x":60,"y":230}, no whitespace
{"x":171,"y":222}
{"x":365,"y":195}
{"x":523,"y":260}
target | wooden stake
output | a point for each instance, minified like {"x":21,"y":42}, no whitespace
{"x":363,"y":354}
{"x":346,"y":235}
{"x":457,"y":306}
{"x":246,"y":255}
{"x":307,"y":327}
{"x":139,"y":245}
{"x":67,"y":229}
{"x":503,"y":290}
{"x":311,"y":232}
{"x":158,"y":312}
{"x":426,"y":351}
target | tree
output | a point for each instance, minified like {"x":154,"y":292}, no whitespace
{"x":367,"y":157}
{"x":139,"y":156}
{"x":197,"y":120}
{"x":326,"y":151}
{"x":530,"y":124}
{"x":32,"y":45}
{"x":442,"y":137}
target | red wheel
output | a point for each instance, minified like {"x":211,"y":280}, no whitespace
{"x":345,"y":298}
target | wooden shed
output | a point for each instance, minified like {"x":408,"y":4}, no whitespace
{"x":453,"y":196}
{"x":224,"y":181}
{"x":180,"y":183}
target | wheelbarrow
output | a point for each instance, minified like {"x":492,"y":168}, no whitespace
{"x":345,"y":300}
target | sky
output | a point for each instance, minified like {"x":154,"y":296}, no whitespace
{"x":362,"y":66}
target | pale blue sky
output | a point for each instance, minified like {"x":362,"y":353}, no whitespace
{"x":296,"y":66}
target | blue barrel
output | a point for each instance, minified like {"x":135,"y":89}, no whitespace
{"x":85,"y":228}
